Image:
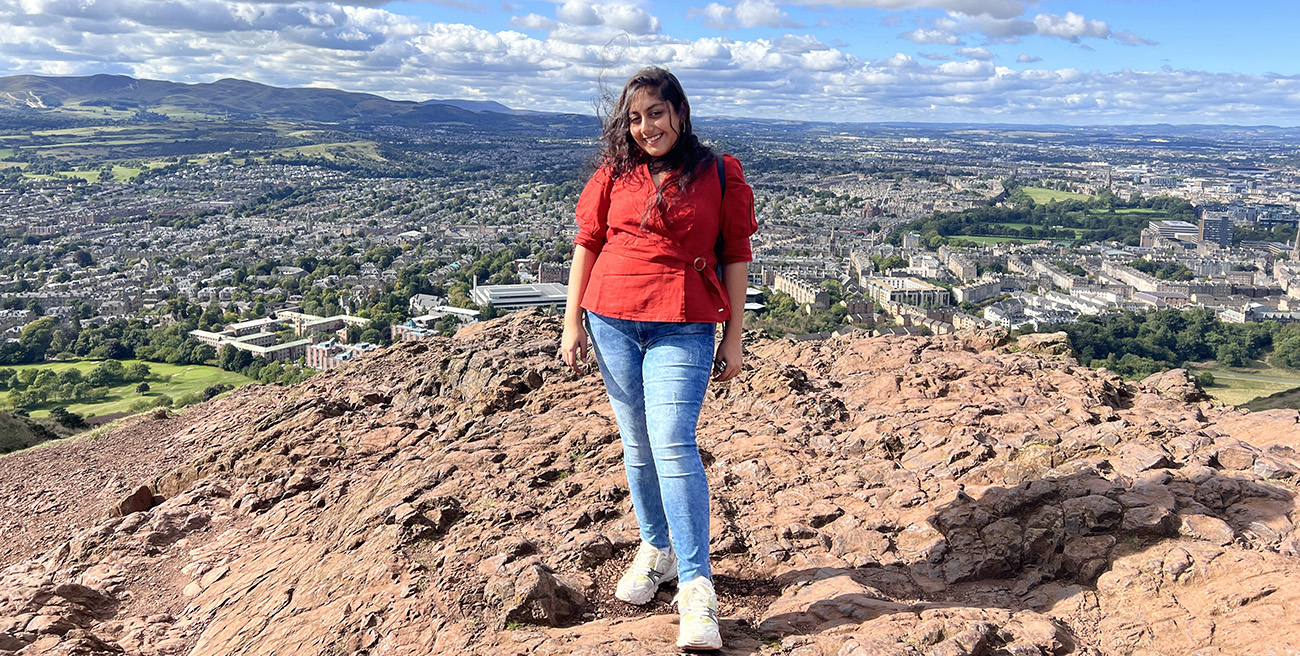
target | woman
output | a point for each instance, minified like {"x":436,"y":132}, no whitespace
{"x":644,"y":271}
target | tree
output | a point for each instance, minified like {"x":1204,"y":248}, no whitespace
{"x":137,"y":371}
{"x":111,"y":349}
{"x":1231,"y":354}
{"x":1287,"y":349}
{"x":67,"y":418}
{"x":142,"y":388}
{"x":36,"y":338}
{"x":98,"y":378}
{"x":212,"y":391}
{"x":70,"y":376}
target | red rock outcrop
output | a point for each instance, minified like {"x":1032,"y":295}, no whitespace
{"x":870,"y":496}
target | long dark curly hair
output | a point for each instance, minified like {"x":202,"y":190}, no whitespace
{"x":620,"y":152}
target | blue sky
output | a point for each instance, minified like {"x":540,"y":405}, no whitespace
{"x":995,"y":61}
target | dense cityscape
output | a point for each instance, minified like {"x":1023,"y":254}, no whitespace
{"x":308,"y":255}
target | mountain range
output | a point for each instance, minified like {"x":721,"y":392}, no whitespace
{"x":243,"y":100}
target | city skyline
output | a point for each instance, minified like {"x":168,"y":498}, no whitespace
{"x":979,"y":61}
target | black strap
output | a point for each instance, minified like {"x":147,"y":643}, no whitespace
{"x":722,"y":175}
{"x":722,"y":182}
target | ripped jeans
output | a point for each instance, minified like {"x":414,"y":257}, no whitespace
{"x":656,"y":374}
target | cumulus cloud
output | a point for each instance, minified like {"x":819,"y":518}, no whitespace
{"x":950,"y":28}
{"x":940,"y":37}
{"x":1026,"y":58}
{"x":620,"y":16}
{"x":557,"y":63}
{"x":745,"y":13}
{"x":1071,"y":27}
{"x":982,"y":54}
{"x":992,"y":8}
{"x":533,"y":22}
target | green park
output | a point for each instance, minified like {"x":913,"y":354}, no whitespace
{"x":160,"y":385}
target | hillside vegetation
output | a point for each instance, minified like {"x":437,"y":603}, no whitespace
{"x":17,"y":433}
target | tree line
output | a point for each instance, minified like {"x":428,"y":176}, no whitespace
{"x":1100,"y":219}
{"x":32,"y":387}
{"x":1136,"y":345}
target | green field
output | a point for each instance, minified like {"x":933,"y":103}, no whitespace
{"x":96,"y":111}
{"x":331,"y":151}
{"x":120,"y":174}
{"x":105,"y":142}
{"x":177,"y":113}
{"x":1240,"y":386}
{"x":1040,"y":195}
{"x":190,"y":135}
{"x":985,"y":241}
{"x":91,"y":131}
{"x":1289,"y":399}
{"x":173,"y":380}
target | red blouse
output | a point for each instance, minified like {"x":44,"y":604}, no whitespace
{"x":656,"y":260}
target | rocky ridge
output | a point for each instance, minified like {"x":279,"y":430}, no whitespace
{"x":896,"y":496}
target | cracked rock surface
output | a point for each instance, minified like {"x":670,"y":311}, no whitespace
{"x":888,"y":496}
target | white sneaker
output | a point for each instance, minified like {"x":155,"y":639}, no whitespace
{"x":698,"y":605}
{"x":648,"y":570}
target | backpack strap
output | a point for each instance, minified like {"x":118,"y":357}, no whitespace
{"x":722,"y":175}
{"x":722,"y":183}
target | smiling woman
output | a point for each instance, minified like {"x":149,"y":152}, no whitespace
{"x":660,"y":213}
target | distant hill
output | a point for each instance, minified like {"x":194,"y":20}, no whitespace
{"x":17,"y":433}
{"x":478,"y":106}
{"x":244,"y":100}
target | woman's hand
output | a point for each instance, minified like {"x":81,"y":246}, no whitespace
{"x":573,"y":346}
{"x":727,"y":361}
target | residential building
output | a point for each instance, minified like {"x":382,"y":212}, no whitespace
{"x":910,"y":291}
{"x":332,"y":353}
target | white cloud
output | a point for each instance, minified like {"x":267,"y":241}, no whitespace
{"x":754,"y":13}
{"x":981,"y":54}
{"x":557,"y":64}
{"x":933,"y":56}
{"x":931,"y":36}
{"x":533,"y":22}
{"x":1071,"y":26}
{"x":745,"y":13}
{"x":993,"y":8}
{"x":1026,"y":58}
{"x":576,"y":12}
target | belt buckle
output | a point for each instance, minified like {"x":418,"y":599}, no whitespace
{"x":700,"y":263}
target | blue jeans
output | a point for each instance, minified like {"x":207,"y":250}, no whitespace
{"x":656,"y":374}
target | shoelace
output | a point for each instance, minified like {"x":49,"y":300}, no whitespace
{"x":694,"y":600}
{"x":644,"y":564}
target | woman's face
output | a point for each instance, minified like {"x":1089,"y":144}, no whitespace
{"x":654,"y":123}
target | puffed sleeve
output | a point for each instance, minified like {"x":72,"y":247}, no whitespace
{"x":737,"y":220}
{"x":593,"y":212}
